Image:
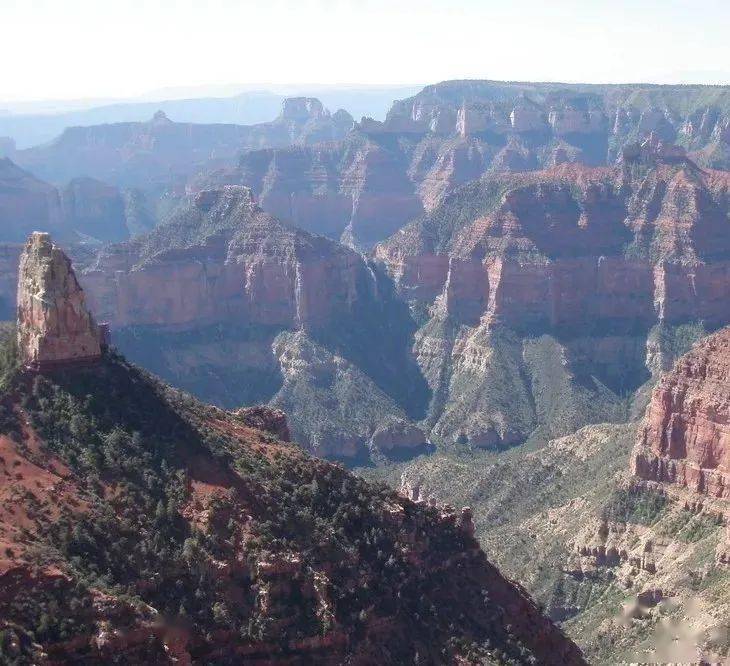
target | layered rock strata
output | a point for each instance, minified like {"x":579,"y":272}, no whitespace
{"x":455,"y":131}
{"x":685,"y":439}
{"x":590,"y":271}
{"x":161,"y":152}
{"x":202,"y":299}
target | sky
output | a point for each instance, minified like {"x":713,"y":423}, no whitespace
{"x":68,"y":49}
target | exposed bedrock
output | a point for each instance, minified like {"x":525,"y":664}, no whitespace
{"x":685,"y":439}
{"x":54,"y":325}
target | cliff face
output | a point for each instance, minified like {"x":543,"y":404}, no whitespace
{"x":594,"y":120}
{"x":583,"y":267}
{"x":370,"y":183}
{"x":223,"y":258}
{"x":201,"y":301}
{"x":54,"y":325}
{"x":545,"y":248}
{"x":355,"y":189}
{"x":685,"y":439}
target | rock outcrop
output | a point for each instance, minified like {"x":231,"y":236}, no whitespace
{"x":266,"y":419}
{"x":685,"y":439}
{"x":55,"y":327}
{"x":613,"y":558}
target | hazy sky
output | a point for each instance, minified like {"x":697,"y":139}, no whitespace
{"x":122,"y":48}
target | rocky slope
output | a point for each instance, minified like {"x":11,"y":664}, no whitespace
{"x":139,"y":525}
{"x":548,"y":296}
{"x":201,"y":300}
{"x":335,"y":409}
{"x":162,"y":153}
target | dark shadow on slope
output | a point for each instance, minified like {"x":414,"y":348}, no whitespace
{"x":377,"y":336}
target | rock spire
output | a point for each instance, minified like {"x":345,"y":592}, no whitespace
{"x":54,"y":325}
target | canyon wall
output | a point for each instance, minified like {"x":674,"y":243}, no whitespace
{"x":364,"y":187}
{"x":685,"y":438}
{"x":558,"y":291}
{"x":208,"y":300}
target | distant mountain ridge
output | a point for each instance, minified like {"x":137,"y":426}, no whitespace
{"x":28,"y":129}
{"x":161,"y":152}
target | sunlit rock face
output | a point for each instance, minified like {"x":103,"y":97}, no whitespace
{"x":581,"y":267}
{"x":224,"y":259}
{"x":685,"y":439}
{"x":54,"y":325}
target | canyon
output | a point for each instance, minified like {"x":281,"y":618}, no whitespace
{"x":365,"y":186}
{"x":526,"y":305}
{"x":202,"y":299}
{"x":623,"y":533}
{"x":505,"y":296}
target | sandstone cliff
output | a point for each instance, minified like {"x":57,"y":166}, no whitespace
{"x":455,"y":131}
{"x":54,"y":324}
{"x":587,"y":269}
{"x":356,"y":189}
{"x":84,"y":212}
{"x":201,"y":300}
{"x":221,"y":258}
{"x":685,"y":439}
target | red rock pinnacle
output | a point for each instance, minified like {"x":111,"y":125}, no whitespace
{"x":54,"y":325}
